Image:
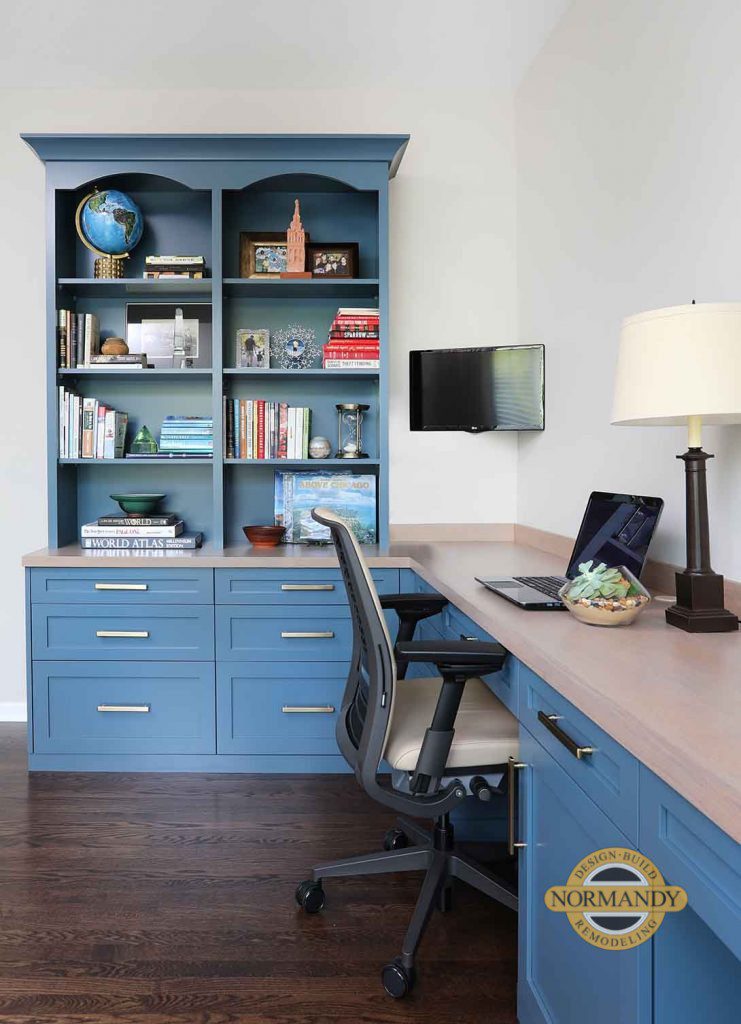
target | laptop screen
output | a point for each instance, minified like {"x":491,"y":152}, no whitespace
{"x":616,"y":529}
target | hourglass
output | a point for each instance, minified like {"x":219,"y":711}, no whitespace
{"x":350,"y":430}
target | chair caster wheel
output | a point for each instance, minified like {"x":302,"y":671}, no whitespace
{"x":395,"y":839}
{"x":310,"y":896}
{"x":397,"y":979}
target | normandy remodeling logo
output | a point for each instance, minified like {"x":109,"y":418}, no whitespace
{"x":615,"y":899}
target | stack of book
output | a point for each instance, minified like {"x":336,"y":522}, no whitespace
{"x":191,"y":436}
{"x":353,"y":340}
{"x":78,"y":339}
{"x":256,"y":429}
{"x":131,"y":361}
{"x":88,"y":429}
{"x":157,"y":267}
{"x":157,"y":532}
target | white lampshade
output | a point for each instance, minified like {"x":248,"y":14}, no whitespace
{"x":679,"y":362}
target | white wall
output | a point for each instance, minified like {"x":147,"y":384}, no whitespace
{"x":283,"y":66}
{"x":628,"y":199}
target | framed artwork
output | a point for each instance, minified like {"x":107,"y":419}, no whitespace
{"x":332,"y":259}
{"x":263,"y":254}
{"x":171,"y":336}
{"x":253,"y":349}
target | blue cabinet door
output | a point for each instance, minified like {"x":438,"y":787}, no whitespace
{"x":562,"y":978}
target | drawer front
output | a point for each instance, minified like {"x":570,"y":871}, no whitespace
{"x":457,"y":626}
{"x":691,"y":851}
{"x":295,"y":587}
{"x":609,"y":775}
{"x":122,"y":586}
{"x":309,"y":634}
{"x":75,"y":632}
{"x":278,"y":708}
{"x":135,"y":708}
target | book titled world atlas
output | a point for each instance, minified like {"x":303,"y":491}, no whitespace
{"x":350,"y":495}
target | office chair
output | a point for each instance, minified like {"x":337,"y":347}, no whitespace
{"x":443,"y":738}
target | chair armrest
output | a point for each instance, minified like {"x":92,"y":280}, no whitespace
{"x":421,"y":606}
{"x":455,"y":657}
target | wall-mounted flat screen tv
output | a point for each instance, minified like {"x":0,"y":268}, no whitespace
{"x":477,"y":389}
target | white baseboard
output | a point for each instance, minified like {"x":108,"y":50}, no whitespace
{"x":12,"y":711}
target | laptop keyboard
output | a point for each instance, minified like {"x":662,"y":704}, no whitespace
{"x":549,"y":585}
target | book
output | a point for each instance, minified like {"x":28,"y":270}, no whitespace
{"x":184,"y":542}
{"x":115,"y":434}
{"x":350,"y":495}
{"x":165,"y":519}
{"x":357,"y":311}
{"x":119,"y":530}
{"x":156,"y":275}
{"x":152,"y":261}
{"x":129,"y":360}
{"x":89,"y":427}
{"x":62,"y":338}
{"x":352,"y":364}
{"x":170,"y":455}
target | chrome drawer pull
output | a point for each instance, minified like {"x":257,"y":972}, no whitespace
{"x":140,"y":634}
{"x":512,"y":766}
{"x":322,"y":709}
{"x":142,"y":709}
{"x":122,"y":586}
{"x":549,"y":721}
{"x":307,"y":636}
{"x":307,"y":586}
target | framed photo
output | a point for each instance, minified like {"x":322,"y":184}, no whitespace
{"x":263,"y":253}
{"x":253,"y":349}
{"x":332,"y":259}
{"x":171,"y":336}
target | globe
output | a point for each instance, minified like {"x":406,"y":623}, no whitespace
{"x":111,"y":222}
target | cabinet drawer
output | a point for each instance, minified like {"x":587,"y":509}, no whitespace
{"x":293,"y":586}
{"x":80,"y":708}
{"x":157,"y":633}
{"x":122,"y":586}
{"x":609,"y":774}
{"x":254,"y":633}
{"x":691,"y":851}
{"x":278,"y":709}
{"x":457,"y":626}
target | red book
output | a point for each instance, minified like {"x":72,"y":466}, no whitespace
{"x":351,"y":353}
{"x":260,"y":428}
{"x":334,"y":333}
{"x":360,"y":323}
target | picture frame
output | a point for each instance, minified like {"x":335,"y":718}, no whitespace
{"x":263,"y":254}
{"x":172,"y":335}
{"x":252,"y":349}
{"x":332,"y":259}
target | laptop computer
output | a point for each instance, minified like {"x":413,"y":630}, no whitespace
{"x":616,"y":529}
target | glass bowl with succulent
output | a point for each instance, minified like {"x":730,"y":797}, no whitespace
{"x":602,"y":596}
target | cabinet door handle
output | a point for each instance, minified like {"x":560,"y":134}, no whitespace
{"x":328,"y":635}
{"x":320,"y":709}
{"x":139,"y":634}
{"x":307,"y":586}
{"x":473,"y":639}
{"x":142,"y":709}
{"x":122,"y":586}
{"x":512,"y":767}
{"x":550,"y":722}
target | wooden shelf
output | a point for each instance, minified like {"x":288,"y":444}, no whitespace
{"x":314,"y":287}
{"x":312,"y":463}
{"x":126,"y":286}
{"x":137,"y":462}
{"x":156,"y":373}
{"x":276,"y":373}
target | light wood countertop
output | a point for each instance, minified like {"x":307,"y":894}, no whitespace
{"x":673,"y":699}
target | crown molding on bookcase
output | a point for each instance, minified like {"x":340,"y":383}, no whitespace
{"x":388,"y":149}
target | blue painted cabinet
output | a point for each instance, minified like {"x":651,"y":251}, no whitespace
{"x":561,"y":978}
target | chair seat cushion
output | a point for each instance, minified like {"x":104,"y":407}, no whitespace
{"x":485,"y":731}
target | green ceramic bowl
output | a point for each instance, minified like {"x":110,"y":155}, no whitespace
{"x":138,"y":504}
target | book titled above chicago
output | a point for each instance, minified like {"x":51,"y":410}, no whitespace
{"x":165,"y":532}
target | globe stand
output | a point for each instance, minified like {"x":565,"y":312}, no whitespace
{"x":108,"y":267}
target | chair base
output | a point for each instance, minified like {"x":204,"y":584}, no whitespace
{"x":439,"y":856}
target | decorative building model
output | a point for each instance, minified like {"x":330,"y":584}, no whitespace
{"x":296,"y":246}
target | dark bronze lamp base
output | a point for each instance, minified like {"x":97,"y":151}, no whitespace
{"x":699,"y":607}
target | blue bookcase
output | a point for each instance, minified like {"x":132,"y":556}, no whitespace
{"x":197,"y":193}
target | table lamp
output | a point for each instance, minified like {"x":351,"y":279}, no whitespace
{"x":682,"y":365}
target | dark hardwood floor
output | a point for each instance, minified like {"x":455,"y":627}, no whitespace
{"x":161,"y":899}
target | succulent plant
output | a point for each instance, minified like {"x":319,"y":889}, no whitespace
{"x":598,"y":582}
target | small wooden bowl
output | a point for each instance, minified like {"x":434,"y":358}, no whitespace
{"x":264,"y":536}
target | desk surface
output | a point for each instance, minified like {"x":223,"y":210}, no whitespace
{"x":671,"y":698}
